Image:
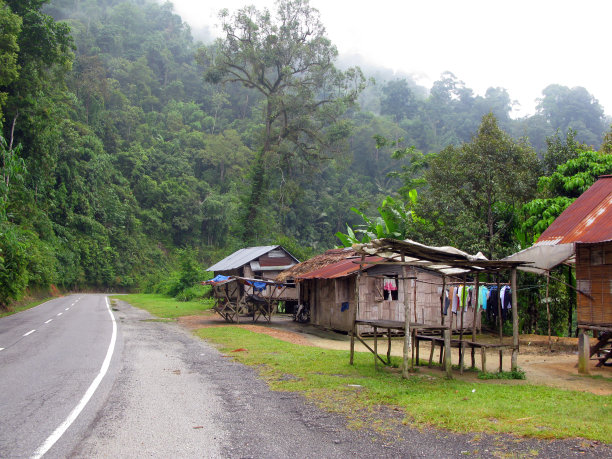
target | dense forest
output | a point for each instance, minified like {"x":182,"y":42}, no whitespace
{"x":132,"y":155}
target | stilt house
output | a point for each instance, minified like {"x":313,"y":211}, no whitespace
{"x":264,"y":262}
{"x":582,"y":234}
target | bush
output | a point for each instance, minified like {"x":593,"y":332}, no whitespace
{"x":195,"y":292}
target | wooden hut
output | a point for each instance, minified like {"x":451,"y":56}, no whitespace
{"x":326,"y":283}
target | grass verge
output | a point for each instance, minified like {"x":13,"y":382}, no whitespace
{"x":22,"y":306}
{"x":164,"y":306}
{"x":375,"y":398}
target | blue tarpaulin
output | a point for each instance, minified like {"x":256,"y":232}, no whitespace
{"x":258,"y":286}
{"x":219,"y":278}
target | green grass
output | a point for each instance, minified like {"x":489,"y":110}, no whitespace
{"x":373,"y":398}
{"x":22,"y":307}
{"x":164,"y":306}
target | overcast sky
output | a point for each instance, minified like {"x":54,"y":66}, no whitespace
{"x":520,"y":45}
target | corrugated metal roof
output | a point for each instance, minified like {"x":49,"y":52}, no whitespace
{"x":588,"y":219}
{"x":317,"y":262}
{"x":341,"y":268}
{"x":241,"y":257}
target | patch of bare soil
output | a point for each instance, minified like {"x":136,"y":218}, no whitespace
{"x":213,"y":320}
{"x":557,"y":367}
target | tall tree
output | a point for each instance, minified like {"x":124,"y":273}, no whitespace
{"x":289,"y":60}
{"x":10,"y":27}
{"x":476,"y":186}
{"x":574,"y":108}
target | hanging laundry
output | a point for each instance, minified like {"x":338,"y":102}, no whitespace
{"x":462,"y":292}
{"x":483,"y":295}
{"x":492,"y":303}
{"x":454,"y":299}
{"x":446,"y":302}
{"x":390,"y":285}
{"x":506,"y":297}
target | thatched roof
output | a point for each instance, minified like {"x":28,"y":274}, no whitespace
{"x":318,"y":262}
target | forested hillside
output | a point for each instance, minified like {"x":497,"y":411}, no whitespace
{"x":127,"y":146}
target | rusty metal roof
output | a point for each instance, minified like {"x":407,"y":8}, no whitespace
{"x":588,"y":219}
{"x":339,"y":269}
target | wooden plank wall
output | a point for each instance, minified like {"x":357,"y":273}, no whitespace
{"x":594,"y":277}
{"x":325,"y":297}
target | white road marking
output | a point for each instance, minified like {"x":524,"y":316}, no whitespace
{"x":29,"y":333}
{"x":57,"y":433}
{"x":59,"y":314}
{"x":1,"y":348}
{"x":67,"y":309}
{"x":48,"y":321}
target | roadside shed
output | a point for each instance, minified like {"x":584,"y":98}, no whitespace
{"x":328,"y":283}
{"x":246,"y":277}
{"x":447,"y":261}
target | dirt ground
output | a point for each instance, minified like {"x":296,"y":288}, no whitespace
{"x":556,"y":368}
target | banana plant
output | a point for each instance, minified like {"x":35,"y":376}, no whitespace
{"x":394,"y":221}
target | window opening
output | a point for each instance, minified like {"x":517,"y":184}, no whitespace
{"x":390,"y":287}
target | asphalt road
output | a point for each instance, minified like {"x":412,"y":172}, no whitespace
{"x":169,"y":394}
{"x":50,"y":356}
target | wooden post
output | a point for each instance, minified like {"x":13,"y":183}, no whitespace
{"x":476,"y":287}
{"x":417,"y":346}
{"x":499,"y":314}
{"x":547,"y":299}
{"x":584,"y":352}
{"x":515,"y":324}
{"x":447,"y":354}
{"x":407,"y":334}
{"x":354,"y":328}
{"x":389,"y":345}
{"x":483,"y":357}
{"x":414,"y":294}
{"x":462,"y":306}
{"x":375,"y":348}
{"x":442,"y":300}
{"x":431,"y":352}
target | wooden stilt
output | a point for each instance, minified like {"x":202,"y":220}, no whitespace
{"x":476,"y":307}
{"x":355,"y":310}
{"x":375,"y":348}
{"x":389,"y":346}
{"x":407,"y":334}
{"x":584,"y":353}
{"x":515,"y":326}
{"x":431,"y":353}
{"x":447,"y":354}
{"x":483,"y":358}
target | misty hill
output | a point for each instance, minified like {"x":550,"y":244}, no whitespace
{"x":129,"y":155}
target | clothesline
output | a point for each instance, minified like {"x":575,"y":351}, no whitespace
{"x":470,"y":283}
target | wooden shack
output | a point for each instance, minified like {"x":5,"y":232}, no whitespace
{"x":594,"y":278}
{"x":583,"y":231}
{"x":263,"y":262}
{"x":326,"y":283}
